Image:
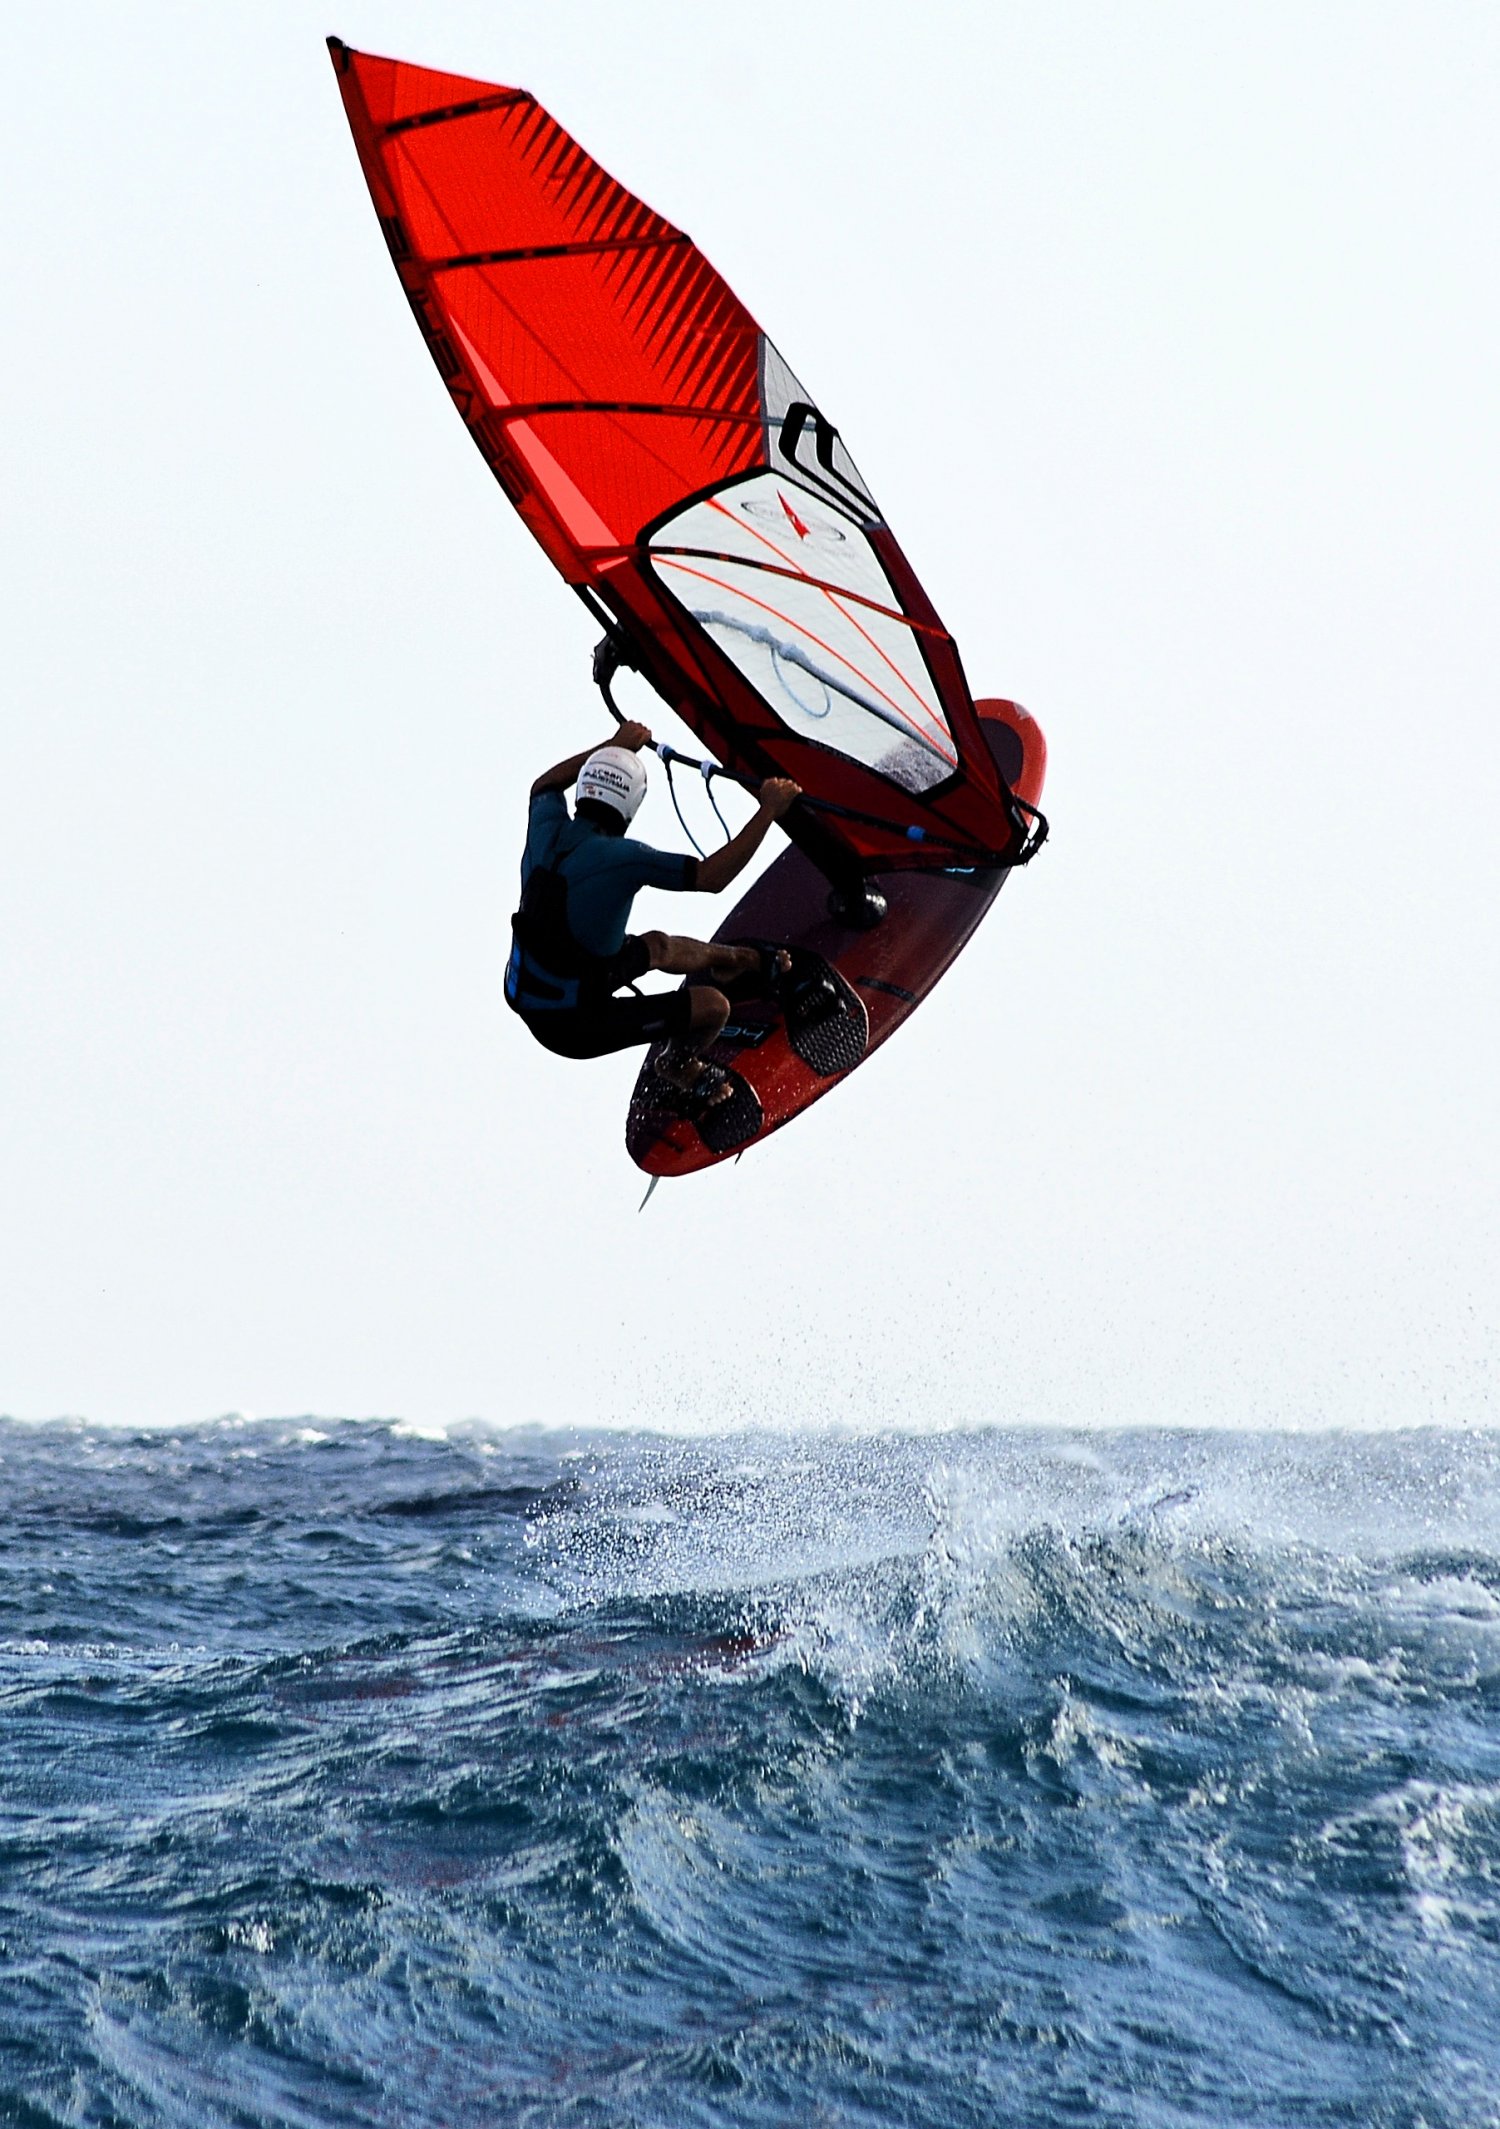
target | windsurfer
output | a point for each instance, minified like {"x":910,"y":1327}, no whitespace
{"x":580,"y":874}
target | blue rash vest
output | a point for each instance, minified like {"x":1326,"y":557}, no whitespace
{"x":602,"y":875}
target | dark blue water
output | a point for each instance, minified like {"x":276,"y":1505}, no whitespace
{"x":351,"y":1777}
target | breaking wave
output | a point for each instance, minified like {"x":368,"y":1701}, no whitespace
{"x":360,"y":1777}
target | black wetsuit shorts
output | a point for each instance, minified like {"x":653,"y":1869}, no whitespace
{"x":599,"y":1024}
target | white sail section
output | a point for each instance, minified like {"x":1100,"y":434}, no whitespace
{"x":791,"y":590}
{"x":800,"y":438}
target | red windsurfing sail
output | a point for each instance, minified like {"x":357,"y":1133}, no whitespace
{"x":675,"y":470}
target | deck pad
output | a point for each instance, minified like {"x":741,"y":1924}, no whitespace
{"x":724,"y":1128}
{"x":825,"y":1021}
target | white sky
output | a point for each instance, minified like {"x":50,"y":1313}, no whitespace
{"x":1167,"y":337}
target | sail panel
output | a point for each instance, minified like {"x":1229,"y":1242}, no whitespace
{"x":796,"y":597}
{"x":568,"y":292}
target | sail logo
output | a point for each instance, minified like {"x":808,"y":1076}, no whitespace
{"x":782,"y":516}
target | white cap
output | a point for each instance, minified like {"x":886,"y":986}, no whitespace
{"x":615,"y":777}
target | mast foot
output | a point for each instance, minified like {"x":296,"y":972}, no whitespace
{"x":861,"y":907}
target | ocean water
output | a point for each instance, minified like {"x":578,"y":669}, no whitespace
{"x":356,"y":1777}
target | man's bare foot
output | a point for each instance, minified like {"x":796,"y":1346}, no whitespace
{"x":685,"y":1072}
{"x":750,"y":961}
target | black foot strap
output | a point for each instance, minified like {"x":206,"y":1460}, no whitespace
{"x":826,"y":1023}
{"x":695,"y":1100}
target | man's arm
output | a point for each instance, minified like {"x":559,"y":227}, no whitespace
{"x":565,"y":774}
{"x":716,"y":871}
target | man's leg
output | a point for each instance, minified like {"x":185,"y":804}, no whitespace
{"x":678,"y":956}
{"x":683,"y":1062}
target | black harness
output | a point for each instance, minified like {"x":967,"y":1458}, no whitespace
{"x":549,"y":971}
